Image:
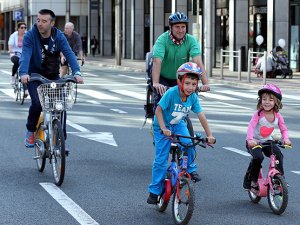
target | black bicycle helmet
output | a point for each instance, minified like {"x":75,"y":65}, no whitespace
{"x":178,"y":17}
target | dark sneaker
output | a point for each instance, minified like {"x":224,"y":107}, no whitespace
{"x":152,"y":199}
{"x":195,"y":177}
{"x":247,"y":182}
{"x":67,"y":151}
{"x":254,"y":185}
{"x":29,"y":140}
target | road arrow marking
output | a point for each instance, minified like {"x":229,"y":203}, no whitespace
{"x":103,"y":137}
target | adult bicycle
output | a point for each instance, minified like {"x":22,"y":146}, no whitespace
{"x":18,"y":86}
{"x":55,"y":97}
{"x":273,"y":186}
{"x":178,"y":181}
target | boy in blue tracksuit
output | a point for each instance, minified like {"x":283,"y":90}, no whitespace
{"x":173,"y":107}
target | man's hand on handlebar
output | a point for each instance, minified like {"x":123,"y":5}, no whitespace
{"x":161,"y":89}
{"x":79,"y":79}
{"x":25,"y":78}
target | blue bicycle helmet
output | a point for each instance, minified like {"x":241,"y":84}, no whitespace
{"x":178,"y":17}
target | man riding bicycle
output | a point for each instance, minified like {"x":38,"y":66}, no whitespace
{"x":172,"y":49}
{"x":75,"y":43}
{"x":41,"y":49}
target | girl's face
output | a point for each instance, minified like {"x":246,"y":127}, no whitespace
{"x":267,"y":102}
{"x":189,"y":85}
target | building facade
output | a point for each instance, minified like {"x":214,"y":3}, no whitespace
{"x":226,"y":24}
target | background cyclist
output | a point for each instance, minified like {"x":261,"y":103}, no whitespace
{"x":15,"y":44}
{"x":41,"y":51}
{"x":171,"y":50}
{"x":75,"y":43}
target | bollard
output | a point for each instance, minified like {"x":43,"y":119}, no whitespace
{"x":249,"y":66}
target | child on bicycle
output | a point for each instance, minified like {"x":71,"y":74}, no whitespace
{"x":260,"y":129}
{"x":173,"y":107}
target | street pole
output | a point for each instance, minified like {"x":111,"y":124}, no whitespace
{"x":68,"y":6}
{"x":198,"y":21}
{"x":118,"y":4}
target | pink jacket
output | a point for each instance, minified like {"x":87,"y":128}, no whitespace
{"x":260,"y":129}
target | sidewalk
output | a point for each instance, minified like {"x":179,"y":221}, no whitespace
{"x":229,"y":77}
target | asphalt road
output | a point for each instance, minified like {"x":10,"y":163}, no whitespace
{"x":109,"y":168}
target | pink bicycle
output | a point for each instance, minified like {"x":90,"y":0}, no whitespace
{"x":274,"y":185}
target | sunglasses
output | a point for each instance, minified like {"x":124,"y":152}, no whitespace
{"x":23,"y":27}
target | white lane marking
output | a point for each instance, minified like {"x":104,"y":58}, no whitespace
{"x":135,"y":78}
{"x":294,"y":97}
{"x":232,"y":105}
{"x":94,"y":102}
{"x":97,"y":94}
{"x":131,"y":94}
{"x":9,"y":92}
{"x":118,"y":111}
{"x":237,"y":151}
{"x":296,"y":172}
{"x":239,"y":94}
{"x":216,"y":96}
{"x":4,"y":71}
{"x":68,"y":204}
{"x":89,"y":74}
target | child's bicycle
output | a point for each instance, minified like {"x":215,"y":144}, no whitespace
{"x":178,"y":181}
{"x":18,"y":86}
{"x":55,"y":97}
{"x":274,"y":185}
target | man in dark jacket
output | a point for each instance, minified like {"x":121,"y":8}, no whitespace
{"x":41,"y":48}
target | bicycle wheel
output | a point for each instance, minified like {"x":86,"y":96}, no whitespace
{"x":149,"y":103}
{"x":16,"y":90}
{"x":22,"y":92}
{"x":75,"y":93}
{"x":183,"y":201}
{"x":278,"y":198}
{"x":164,"y":198}
{"x":58,"y":155}
{"x":39,"y":149}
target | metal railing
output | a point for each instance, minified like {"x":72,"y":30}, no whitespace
{"x":234,"y":54}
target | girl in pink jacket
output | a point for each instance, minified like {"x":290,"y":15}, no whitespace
{"x":260,"y":129}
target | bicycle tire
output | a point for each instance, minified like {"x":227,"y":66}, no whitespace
{"x":149,"y":103}
{"x":39,"y":150}
{"x":165,"y":197}
{"x":280,"y":194}
{"x":184,"y":197}
{"x":22,"y":93}
{"x":75,"y":100}
{"x":58,"y":154}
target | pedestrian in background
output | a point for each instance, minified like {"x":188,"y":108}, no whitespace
{"x":15,"y":44}
{"x":94,"y":45}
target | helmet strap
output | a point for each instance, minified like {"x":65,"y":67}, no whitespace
{"x":176,"y":42}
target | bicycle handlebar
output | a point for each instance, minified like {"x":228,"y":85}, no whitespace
{"x":270,"y":143}
{"x":198,"y":140}
{"x":43,"y":80}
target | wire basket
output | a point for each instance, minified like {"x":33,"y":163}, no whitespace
{"x":56,"y":97}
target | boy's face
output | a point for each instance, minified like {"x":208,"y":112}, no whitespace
{"x":189,"y":85}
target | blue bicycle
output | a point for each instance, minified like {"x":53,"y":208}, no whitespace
{"x":178,"y":181}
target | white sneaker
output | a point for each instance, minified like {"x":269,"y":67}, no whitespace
{"x":13,"y":80}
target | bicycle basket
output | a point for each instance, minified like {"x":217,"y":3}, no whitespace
{"x":56,"y":97}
